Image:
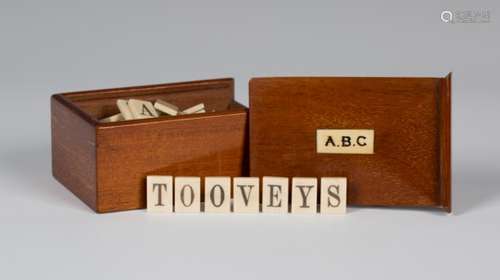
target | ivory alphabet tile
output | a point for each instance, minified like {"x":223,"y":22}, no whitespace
{"x":187,"y":195}
{"x":333,"y":195}
{"x":304,"y":195}
{"x":246,"y":195}
{"x":274,"y":194}
{"x":142,"y":109}
{"x":166,"y":107}
{"x":217,"y":194}
{"x":194,"y":109}
{"x":159,"y":194}
{"x":114,"y":118}
{"x":124,"y":109}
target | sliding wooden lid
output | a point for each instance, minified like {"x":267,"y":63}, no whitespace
{"x":410,"y":119}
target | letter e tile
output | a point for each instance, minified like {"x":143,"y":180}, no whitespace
{"x":274,"y":194}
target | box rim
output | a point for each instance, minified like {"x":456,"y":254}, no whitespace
{"x":96,"y":94}
{"x":175,"y":87}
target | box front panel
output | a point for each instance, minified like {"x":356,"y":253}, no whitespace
{"x":403,"y":114}
{"x":213,"y":145}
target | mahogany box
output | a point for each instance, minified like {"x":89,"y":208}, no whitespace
{"x":106,"y":164}
{"x":390,"y":136}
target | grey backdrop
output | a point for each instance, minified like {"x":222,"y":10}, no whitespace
{"x":55,"y":46}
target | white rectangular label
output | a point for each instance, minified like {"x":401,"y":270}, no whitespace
{"x":345,"y":141}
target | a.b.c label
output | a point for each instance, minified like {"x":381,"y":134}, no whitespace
{"x":345,"y":141}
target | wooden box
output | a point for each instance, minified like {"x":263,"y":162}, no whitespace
{"x":409,"y":163}
{"x":106,"y":164}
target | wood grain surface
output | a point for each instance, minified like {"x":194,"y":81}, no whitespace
{"x":410,"y":116}
{"x":74,"y":151}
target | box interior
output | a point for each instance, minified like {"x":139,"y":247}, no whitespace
{"x":217,"y":95}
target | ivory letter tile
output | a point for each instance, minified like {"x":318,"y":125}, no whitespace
{"x":142,"y":109}
{"x":166,"y":107}
{"x":187,"y":195}
{"x":333,"y":195}
{"x":345,"y":141}
{"x":304,"y":195}
{"x":246,"y":194}
{"x":194,"y":109}
{"x":124,"y":109}
{"x":275,"y":195}
{"x":217,"y":194}
{"x":114,"y":118}
{"x":160,"y":194}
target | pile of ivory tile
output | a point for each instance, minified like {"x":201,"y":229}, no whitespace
{"x":135,"y":109}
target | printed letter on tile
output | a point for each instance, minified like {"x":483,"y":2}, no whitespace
{"x":304,"y":195}
{"x":246,"y":194}
{"x":187,"y":195}
{"x":217,"y":194}
{"x":274,"y":194}
{"x":333,"y":195}
{"x":159,"y":194}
